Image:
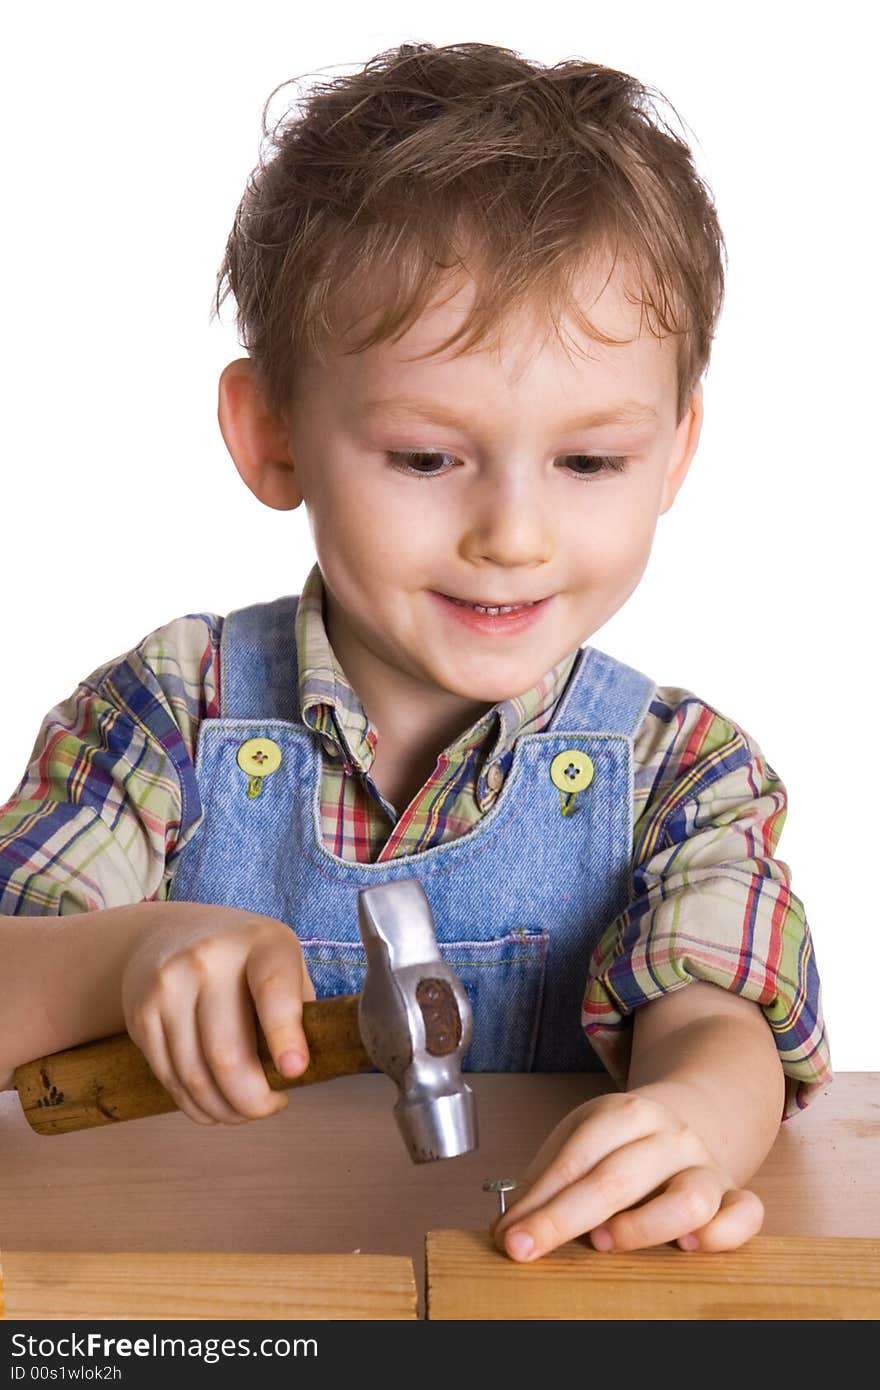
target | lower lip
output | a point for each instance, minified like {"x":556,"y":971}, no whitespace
{"x":517,"y":621}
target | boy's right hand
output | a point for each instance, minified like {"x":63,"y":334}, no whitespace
{"x":189,"y":989}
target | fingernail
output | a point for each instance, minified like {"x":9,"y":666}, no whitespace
{"x":601,"y":1239}
{"x":689,"y":1242}
{"x":291,"y":1062}
{"x":520,"y":1245}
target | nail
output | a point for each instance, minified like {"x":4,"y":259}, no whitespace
{"x":291,"y":1062}
{"x":501,"y":1186}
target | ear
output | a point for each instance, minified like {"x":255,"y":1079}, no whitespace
{"x":687,"y":437}
{"x":257,"y":440}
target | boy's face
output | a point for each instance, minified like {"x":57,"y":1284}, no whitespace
{"x":505,"y":502}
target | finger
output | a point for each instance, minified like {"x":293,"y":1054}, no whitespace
{"x":276,"y":976}
{"x":154,"y":1047}
{"x":621,"y":1179}
{"x":689,"y":1200}
{"x":577,"y":1145}
{"x":740,"y":1216}
{"x":190,"y":1066}
{"x":225,"y":1018}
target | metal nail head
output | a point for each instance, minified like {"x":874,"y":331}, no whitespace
{"x":501,"y":1186}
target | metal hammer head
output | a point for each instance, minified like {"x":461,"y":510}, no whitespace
{"x":415,"y":1020}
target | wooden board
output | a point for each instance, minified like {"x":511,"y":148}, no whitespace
{"x":63,"y":1284}
{"x":770,"y":1277}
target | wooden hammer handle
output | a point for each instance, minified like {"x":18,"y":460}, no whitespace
{"x":101,"y":1083}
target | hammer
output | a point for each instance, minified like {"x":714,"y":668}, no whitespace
{"x":412,"y":1020}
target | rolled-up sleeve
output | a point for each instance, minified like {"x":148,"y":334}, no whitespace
{"x":709,"y":900}
{"x":109,"y":797}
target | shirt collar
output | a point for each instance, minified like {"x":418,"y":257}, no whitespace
{"x":510,"y":719}
{"x":332,"y":709}
{"x":328,"y":702}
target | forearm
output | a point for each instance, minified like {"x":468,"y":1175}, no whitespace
{"x":61,"y":978}
{"x":710,"y":1056}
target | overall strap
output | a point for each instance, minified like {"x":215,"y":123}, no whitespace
{"x":259,"y":674}
{"x":603,"y":695}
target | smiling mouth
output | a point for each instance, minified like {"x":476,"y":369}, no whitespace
{"x":491,"y":608}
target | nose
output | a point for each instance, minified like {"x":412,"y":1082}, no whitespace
{"x":507,"y":522}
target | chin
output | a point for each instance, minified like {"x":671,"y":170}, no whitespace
{"x":492,"y":692}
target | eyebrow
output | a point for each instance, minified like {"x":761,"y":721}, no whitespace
{"x":622,"y":412}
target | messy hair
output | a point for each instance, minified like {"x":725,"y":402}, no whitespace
{"x":388,"y":184}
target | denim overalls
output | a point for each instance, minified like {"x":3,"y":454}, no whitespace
{"x":519,"y":902}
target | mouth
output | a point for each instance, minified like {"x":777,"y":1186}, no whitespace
{"x":482,"y":616}
{"x":493,"y":609}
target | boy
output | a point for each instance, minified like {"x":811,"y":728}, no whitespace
{"x":536,"y":269}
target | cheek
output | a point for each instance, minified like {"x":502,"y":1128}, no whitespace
{"x":364,"y":545}
{"x":609,"y":543}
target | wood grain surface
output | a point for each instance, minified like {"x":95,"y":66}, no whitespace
{"x":331,"y":1173}
{"x":49,"y":1285}
{"x":770,"y":1277}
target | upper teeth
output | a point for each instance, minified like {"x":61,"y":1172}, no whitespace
{"x":484,"y":608}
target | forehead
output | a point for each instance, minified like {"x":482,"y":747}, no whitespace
{"x":606,"y":294}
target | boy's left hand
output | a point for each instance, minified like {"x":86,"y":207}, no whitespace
{"x":629,"y":1171}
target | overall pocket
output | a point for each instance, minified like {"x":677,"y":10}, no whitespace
{"x":503,"y":977}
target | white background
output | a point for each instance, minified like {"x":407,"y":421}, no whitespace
{"x":128,"y":135}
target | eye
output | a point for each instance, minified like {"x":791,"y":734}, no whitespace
{"x":419,"y":463}
{"x":422,"y":464}
{"x":594,"y":465}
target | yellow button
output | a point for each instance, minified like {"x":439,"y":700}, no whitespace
{"x":495,"y":777}
{"x":258,"y":757}
{"x":571,"y":770}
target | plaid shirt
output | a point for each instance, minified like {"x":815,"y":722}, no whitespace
{"x":105,"y":808}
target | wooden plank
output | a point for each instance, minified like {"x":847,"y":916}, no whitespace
{"x":90,"y":1284}
{"x":770,"y":1277}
